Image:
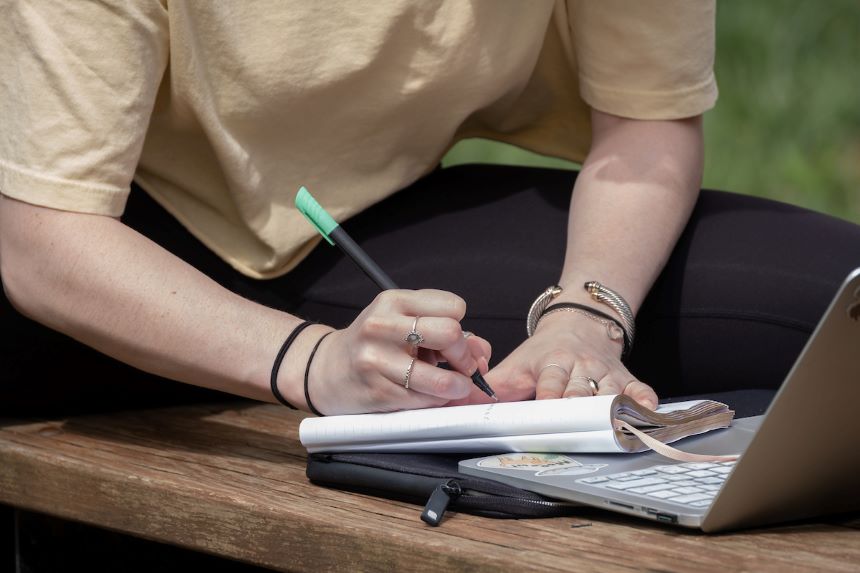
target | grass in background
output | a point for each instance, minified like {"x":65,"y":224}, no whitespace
{"x":787,"y":124}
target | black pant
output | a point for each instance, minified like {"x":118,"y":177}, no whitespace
{"x":740,"y":295}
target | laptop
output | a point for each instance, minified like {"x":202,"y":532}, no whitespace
{"x":800,"y":459}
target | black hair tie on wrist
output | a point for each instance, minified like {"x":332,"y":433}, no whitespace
{"x":311,"y":406}
{"x":595,"y":312}
{"x":276,"y":367}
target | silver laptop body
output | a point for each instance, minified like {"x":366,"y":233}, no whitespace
{"x":801,"y":459}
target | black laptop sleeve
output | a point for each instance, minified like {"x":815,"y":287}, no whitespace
{"x":433,"y":480}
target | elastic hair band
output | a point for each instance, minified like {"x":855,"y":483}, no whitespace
{"x":311,"y":406}
{"x":276,"y":367}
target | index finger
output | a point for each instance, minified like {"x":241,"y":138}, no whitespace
{"x":432,"y":302}
{"x":479,"y":346}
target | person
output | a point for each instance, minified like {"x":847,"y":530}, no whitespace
{"x":151,"y":151}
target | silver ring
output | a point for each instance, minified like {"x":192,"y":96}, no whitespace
{"x":591,"y":382}
{"x":559,"y":366}
{"x":414,"y":337}
{"x":467,"y":334}
{"x":408,"y":374}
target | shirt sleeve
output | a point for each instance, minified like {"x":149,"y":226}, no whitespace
{"x":78,"y":83}
{"x":646,"y":59}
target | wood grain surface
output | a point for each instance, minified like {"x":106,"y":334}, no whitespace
{"x":229,"y":480}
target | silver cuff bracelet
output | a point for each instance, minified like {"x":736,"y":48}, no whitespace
{"x":538,"y":306}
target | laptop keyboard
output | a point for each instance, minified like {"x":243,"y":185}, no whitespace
{"x":693,"y":484}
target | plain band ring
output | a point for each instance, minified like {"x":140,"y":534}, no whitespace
{"x":408,"y":373}
{"x":414,"y":337}
{"x":559,"y":366}
{"x":591,"y":382}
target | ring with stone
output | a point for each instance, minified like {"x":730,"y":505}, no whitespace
{"x":414,"y":337}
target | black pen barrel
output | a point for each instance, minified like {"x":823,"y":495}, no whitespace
{"x":362,"y":259}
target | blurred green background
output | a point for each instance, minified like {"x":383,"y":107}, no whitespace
{"x":787,"y":123}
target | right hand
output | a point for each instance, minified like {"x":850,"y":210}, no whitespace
{"x":362,"y":368}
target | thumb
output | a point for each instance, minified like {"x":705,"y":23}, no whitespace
{"x":642,"y":393}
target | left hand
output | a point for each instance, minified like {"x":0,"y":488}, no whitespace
{"x":566,"y":350}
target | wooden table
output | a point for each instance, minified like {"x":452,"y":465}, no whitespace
{"x":229,"y":480}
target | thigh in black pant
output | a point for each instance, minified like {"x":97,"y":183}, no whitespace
{"x":744,"y":288}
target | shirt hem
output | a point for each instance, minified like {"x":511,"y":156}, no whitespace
{"x":43,"y":190}
{"x":651,"y":105}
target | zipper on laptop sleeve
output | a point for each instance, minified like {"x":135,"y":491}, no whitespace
{"x":491,"y":498}
{"x":438,"y":502}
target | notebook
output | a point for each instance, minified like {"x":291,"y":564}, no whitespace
{"x":800,"y":459}
{"x":586,"y":424}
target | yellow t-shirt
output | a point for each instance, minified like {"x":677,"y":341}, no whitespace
{"x":221,"y":110}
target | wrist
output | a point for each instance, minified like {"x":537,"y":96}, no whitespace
{"x":309,"y":402}
{"x":583,"y":326}
{"x":592,"y":301}
{"x":290,"y":376}
{"x":576,"y":295}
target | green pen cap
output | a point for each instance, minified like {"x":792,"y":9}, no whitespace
{"x":314,"y":212}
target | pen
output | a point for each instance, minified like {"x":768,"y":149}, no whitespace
{"x":335,"y":235}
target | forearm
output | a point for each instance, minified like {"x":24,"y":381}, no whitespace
{"x":630,"y":203}
{"x":102,"y":283}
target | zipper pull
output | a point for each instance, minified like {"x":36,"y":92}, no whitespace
{"x":438,"y":502}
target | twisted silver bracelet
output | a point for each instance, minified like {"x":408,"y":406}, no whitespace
{"x":539,"y":305}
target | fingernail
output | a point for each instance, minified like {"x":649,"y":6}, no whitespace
{"x":473,"y":367}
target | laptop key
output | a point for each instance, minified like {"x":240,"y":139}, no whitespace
{"x":699,"y":466}
{"x":701,"y":474}
{"x":671,"y":469}
{"x":650,"y":488}
{"x":712,"y":480}
{"x":686,"y":483}
{"x":646,"y":472}
{"x":709,"y":487}
{"x":595,"y":479}
{"x":663,"y":494}
{"x":687,"y":490}
{"x":631,"y":484}
{"x":690,"y":498}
